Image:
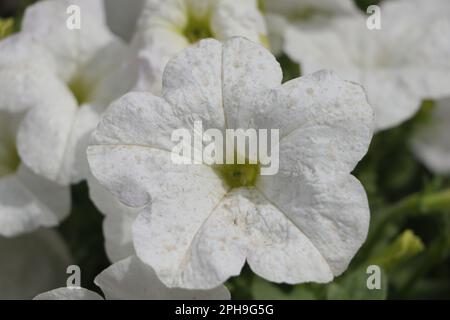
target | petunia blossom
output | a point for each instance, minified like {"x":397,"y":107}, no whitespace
{"x":305,"y":14}
{"x":67,"y":77}
{"x":430,"y":143}
{"x":130,"y":279}
{"x":32,"y":263}
{"x":166,"y":27}
{"x":27,"y":201}
{"x":200,"y":223}
{"x":404,"y":62}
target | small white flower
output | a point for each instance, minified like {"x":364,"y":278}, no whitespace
{"x":67,"y":78}
{"x":401,"y":64}
{"x":130,"y":279}
{"x":32,"y":263}
{"x":303,"y":224}
{"x":117,"y":223}
{"x":27,"y":201}
{"x":166,"y":27}
{"x":431,"y":143}
{"x":302,"y":13}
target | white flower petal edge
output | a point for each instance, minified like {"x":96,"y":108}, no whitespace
{"x":430,"y":143}
{"x":408,"y":61}
{"x":303,"y":224}
{"x":71,"y":293}
{"x":27,"y":201}
{"x":68,"y":86}
{"x":32,"y":263}
{"x":280,"y":14}
{"x":166,"y":27}
{"x":132,"y":279}
{"x":117,"y":222}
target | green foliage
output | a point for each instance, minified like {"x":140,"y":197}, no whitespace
{"x":6,"y":27}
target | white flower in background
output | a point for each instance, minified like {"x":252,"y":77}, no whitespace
{"x":303,"y":14}
{"x":27,"y":201}
{"x":166,"y":27}
{"x":67,"y":77}
{"x":117,"y":223}
{"x":32,"y":263}
{"x":406,"y":61}
{"x":303,"y":224}
{"x":121,"y":16}
{"x":431,"y":143}
{"x":130,"y":279}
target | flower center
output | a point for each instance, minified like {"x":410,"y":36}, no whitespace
{"x":79,"y":90}
{"x":197,"y":28}
{"x":9,"y":157}
{"x":239,"y":175}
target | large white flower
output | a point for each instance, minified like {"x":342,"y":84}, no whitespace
{"x":168,"y":26}
{"x":305,"y":14}
{"x":200,"y":223}
{"x":399,"y":65}
{"x":27,"y":201}
{"x":68,"y":77}
{"x":32,"y":263}
{"x":130,"y":279}
{"x":431,"y":143}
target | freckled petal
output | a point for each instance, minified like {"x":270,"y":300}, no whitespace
{"x":46,"y":22}
{"x":325,"y":123}
{"x":132,"y":279}
{"x":28,"y":202}
{"x":249,"y":70}
{"x":117,"y":223}
{"x":36,"y":262}
{"x":332,"y":213}
{"x":69,"y":294}
{"x":431,"y":143}
{"x":192,"y":84}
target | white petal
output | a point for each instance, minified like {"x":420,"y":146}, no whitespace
{"x":117,"y":223}
{"x":333,"y":213}
{"x":28,"y":202}
{"x":298,"y":8}
{"x":132,"y":279}
{"x":249,"y":70}
{"x":46,"y":22}
{"x":52,"y":140}
{"x":430,"y":143}
{"x":238,"y":18}
{"x":36,"y":262}
{"x":192,"y":84}
{"x":325,"y":123}
{"x":69,"y":294}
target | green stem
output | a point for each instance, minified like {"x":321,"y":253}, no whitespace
{"x":417,"y":203}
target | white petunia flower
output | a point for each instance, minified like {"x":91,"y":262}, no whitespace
{"x":166,"y":27}
{"x":67,"y":77}
{"x":32,"y":263}
{"x":130,"y":279}
{"x":201,"y":223}
{"x":407,"y":60}
{"x":280,"y":14}
{"x":117,"y":223}
{"x":27,"y":201}
{"x":431,"y":143}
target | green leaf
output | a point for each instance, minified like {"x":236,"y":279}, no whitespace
{"x":265,"y":290}
{"x":353,"y":286}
